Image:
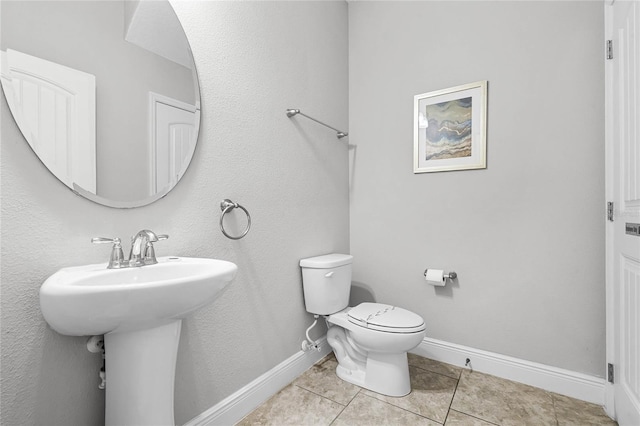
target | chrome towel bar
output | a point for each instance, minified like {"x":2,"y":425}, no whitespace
{"x":292,"y":112}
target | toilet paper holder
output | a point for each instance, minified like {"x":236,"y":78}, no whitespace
{"x":451,"y":275}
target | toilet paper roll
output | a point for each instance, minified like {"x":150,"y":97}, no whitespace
{"x":435,"y":277}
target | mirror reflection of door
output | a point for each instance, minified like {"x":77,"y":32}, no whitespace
{"x":55,"y":108}
{"x":172,"y":130}
{"x":124,"y":50}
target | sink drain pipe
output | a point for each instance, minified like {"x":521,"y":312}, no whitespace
{"x":95,"y":344}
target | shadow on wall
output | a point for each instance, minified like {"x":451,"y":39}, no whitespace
{"x":447,"y":289}
{"x":353,"y":149}
{"x":360,"y":293}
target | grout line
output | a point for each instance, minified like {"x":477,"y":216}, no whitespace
{"x":452,"y":398}
{"x":459,"y":372}
{"x":475,"y":417}
{"x":403,"y":409}
{"x":462,"y":412}
{"x":345,"y":407}
{"x":321,"y":396}
{"x":328,"y":399}
{"x":555,"y":410}
{"x":435,"y":372}
{"x":356,"y":394}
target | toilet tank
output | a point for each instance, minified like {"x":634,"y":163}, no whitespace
{"x":327,"y":283}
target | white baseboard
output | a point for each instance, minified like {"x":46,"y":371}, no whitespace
{"x":565,"y":382}
{"x":236,"y":406}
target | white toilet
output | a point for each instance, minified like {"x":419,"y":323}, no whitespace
{"x":370,"y":340}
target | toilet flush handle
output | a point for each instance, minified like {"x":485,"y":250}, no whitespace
{"x":329,"y":274}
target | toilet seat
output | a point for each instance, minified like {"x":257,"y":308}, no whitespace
{"x":385,"y":318}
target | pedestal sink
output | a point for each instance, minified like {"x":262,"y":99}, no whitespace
{"x":139,"y":311}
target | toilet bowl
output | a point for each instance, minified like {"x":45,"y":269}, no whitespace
{"x":370,"y":340}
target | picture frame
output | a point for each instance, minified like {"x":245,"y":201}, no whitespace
{"x":450,"y":129}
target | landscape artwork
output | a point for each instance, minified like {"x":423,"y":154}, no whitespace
{"x":450,"y":129}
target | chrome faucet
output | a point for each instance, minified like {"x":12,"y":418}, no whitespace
{"x":142,"y":251}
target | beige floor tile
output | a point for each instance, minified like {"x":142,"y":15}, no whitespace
{"x":435,"y":366}
{"x":572,"y":412}
{"x":503,"y":402}
{"x":319,"y":397}
{"x":456,"y":418}
{"x":430,"y":396}
{"x":367,"y":411}
{"x":294,"y":406}
{"x":322,"y":380}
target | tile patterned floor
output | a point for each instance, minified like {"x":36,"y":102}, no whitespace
{"x":441,"y":395}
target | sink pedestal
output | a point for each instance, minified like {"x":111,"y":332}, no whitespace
{"x":140,"y":374}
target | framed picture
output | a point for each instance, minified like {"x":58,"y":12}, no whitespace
{"x":449,"y":129}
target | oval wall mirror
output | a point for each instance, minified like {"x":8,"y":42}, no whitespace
{"x":105,"y":93}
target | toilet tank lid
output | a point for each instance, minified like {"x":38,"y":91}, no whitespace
{"x":332,"y":260}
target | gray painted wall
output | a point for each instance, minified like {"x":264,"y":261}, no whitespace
{"x":526,"y":235}
{"x":291,"y":174}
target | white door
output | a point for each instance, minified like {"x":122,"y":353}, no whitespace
{"x":55,"y":108}
{"x":173,"y":141}
{"x":623,"y":185}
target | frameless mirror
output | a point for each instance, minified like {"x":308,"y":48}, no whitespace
{"x":105,"y":92}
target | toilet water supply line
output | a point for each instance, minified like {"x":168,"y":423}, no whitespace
{"x":311,"y":344}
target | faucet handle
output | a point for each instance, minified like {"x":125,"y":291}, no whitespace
{"x":149,"y":254}
{"x":117,"y":256}
{"x":149,"y":251}
{"x":104,"y":240}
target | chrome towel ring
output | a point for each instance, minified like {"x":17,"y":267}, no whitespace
{"x":226,"y":206}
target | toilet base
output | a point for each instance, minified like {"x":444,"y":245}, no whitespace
{"x":381,"y":372}
{"x":386,"y":374}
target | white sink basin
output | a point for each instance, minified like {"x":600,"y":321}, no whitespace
{"x":94,"y":300}
{"x":139,"y":311}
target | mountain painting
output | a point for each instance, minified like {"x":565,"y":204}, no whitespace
{"x":448,"y":129}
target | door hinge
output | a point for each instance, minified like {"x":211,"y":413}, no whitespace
{"x":610,"y":211}
{"x":610,"y":373}
{"x":609,"y":49}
